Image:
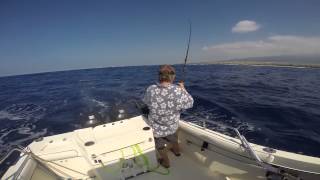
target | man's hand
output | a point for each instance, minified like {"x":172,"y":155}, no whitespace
{"x":181,"y":85}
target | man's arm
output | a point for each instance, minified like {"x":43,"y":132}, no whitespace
{"x":186,"y":98}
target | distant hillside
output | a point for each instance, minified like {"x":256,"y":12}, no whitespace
{"x":295,"y":61}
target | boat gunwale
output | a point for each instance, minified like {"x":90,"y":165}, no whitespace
{"x":230,"y":139}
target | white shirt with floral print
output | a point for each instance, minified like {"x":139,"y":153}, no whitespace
{"x":165,"y":105}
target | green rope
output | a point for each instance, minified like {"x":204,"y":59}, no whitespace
{"x":137,"y":157}
{"x":138,"y":154}
{"x":146,"y":162}
{"x":116,"y":169}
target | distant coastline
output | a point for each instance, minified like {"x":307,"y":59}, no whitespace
{"x":274,"y":61}
{"x":272,"y":64}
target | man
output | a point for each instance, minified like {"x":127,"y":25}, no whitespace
{"x":165,"y":101}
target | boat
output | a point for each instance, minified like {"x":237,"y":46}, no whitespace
{"x":125,"y":149}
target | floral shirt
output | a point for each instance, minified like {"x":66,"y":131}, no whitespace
{"x":165,"y":105}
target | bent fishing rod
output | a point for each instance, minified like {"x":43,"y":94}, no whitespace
{"x":187,"y":53}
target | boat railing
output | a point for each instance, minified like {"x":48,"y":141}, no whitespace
{"x":271,"y":171}
{"x":6,"y":156}
{"x":246,"y":145}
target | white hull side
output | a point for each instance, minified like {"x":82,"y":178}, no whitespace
{"x":229,"y":151}
{"x":224,"y":158}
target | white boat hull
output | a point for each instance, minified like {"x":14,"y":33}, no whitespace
{"x":232,"y":157}
{"x":206,"y":155}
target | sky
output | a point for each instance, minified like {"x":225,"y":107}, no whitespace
{"x":54,"y":35}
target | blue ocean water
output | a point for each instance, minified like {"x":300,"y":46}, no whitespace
{"x":277,"y":107}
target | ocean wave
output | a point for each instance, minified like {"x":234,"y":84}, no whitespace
{"x":219,"y":120}
{"x":22,"y":111}
{"x":100,"y":103}
{"x":275,"y":107}
{"x":8,"y":140}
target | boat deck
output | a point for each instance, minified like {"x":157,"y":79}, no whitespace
{"x":182,"y":167}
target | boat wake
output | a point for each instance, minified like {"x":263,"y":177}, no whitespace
{"x":24,"y":111}
{"x":19,"y":136}
{"x":19,"y":125}
{"x":220,"y":119}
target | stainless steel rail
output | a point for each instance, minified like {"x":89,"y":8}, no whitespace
{"x":10,"y":152}
{"x":272,"y":173}
{"x":247,"y":146}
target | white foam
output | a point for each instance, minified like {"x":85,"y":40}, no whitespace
{"x":6,"y":115}
{"x":219,"y":122}
{"x":100,"y":103}
{"x":5,"y":134}
{"x":23,"y":130}
{"x":22,"y":111}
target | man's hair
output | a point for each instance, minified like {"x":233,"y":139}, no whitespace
{"x":167,"y":73}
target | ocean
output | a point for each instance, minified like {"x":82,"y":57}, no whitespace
{"x":278,"y":107}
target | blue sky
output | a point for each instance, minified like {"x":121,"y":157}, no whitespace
{"x":53,"y":35}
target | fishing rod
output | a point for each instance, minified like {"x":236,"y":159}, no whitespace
{"x":187,"y":53}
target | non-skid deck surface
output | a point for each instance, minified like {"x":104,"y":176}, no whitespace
{"x":180,"y":168}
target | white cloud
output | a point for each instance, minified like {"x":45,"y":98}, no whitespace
{"x":245,"y":26}
{"x":271,"y":46}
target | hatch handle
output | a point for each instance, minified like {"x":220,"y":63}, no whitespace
{"x":204,"y":146}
